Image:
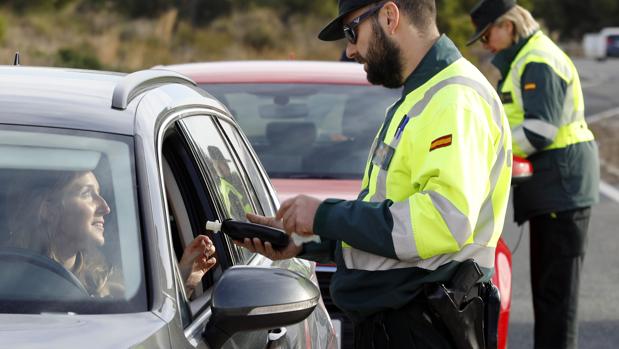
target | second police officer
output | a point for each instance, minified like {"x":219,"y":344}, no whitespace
{"x":540,"y":90}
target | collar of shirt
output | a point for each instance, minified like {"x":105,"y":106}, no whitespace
{"x":503,"y":59}
{"x":441,"y":55}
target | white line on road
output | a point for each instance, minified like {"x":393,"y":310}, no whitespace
{"x":603,"y":115}
{"x":609,"y":191}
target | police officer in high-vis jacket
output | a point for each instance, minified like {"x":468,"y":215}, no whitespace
{"x":415,"y":251}
{"x":540,"y":90}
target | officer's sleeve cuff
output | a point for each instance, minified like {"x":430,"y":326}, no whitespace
{"x":321,"y":218}
{"x":322,"y":252}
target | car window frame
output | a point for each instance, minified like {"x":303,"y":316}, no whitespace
{"x":199,"y":309}
{"x":254,"y":199}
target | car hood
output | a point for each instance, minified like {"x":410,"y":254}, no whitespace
{"x":320,"y":188}
{"x":79,"y":331}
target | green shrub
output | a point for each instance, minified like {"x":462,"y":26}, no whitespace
{"x":2,"y":28}
{"x":77,"y":58}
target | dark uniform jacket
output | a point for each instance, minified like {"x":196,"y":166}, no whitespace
{"x":565,"y":178}
{"x":361,"y":293}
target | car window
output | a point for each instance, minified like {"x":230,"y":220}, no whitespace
{"x":69,"y":228}
{"x":308,"y":130}
{"x":254,"y":174}
{"x":230,"y":188}
{"x":186,"y":212}
{"x":236,"y":197}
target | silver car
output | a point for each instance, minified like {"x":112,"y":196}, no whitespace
{"x":149,"y":159}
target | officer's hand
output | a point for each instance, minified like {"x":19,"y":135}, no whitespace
{"x":268,"y":221}
{"x":298,"y":214}
{"x":266,"y":249}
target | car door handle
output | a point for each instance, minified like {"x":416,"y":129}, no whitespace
{"x":276,"y":338}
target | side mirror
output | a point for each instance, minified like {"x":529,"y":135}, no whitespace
{"x":254,"y":298}
{"x":522,"y":169}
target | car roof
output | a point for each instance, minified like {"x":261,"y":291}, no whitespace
{"x":274,"y":72}
{"x":61,"y":97}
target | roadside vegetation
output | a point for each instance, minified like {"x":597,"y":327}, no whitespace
{"x":134,"y":34}
{"x":127,"y":35}
{"x":80,"y":34}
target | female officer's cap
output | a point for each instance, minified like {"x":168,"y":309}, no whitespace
{"x":485,"y":13}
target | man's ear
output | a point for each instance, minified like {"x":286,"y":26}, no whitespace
{"x":392,"y":17}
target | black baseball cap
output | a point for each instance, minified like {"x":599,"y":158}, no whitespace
{"x":485,"y":13}
{"x":334,"y":30}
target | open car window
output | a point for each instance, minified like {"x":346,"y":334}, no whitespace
{"x":189,"y":203}
{"x":69,"y":226}
{"x":234,"y":192}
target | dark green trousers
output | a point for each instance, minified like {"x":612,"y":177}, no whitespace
{"x":410,"y":327}
{"x":558,"y":244}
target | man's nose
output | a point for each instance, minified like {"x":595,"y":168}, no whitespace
{"x":351,"y":50}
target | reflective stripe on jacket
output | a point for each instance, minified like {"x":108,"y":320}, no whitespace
{"x":448,"y":179}
{"x":572,"y":128}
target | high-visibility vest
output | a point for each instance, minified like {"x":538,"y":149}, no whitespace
{"x":448,"y":176}
{"x":234,"y":202}
{"x":573,"y":128}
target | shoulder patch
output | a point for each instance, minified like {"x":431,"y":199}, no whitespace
{"x":441,"y":142}
{"x":530,"y":86}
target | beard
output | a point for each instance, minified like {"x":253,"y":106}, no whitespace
{"x":384,"y":61}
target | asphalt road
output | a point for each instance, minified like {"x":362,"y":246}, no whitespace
{"x":599,"y":294}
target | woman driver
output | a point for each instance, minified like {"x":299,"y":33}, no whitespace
{"x":61,"y":214}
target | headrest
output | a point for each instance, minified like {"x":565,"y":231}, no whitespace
{"x":291,"y":134}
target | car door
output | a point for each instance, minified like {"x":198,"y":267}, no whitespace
{"x":233,"y":161}
{"x":193,"y":196}
{"x":210,"y":173}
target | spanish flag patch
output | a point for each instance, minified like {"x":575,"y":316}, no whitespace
{"x":530,"y":86}
{"x":441,"y":142}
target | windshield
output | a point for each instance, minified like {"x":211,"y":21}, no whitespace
{"x":308,"y":130}
{"x":69,"y":236}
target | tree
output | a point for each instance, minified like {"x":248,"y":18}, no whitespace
{"x":573,"y":18}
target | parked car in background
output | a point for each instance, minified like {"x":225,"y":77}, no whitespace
{"x":157,"y":151}
{"x":312,"y":125}
{"x":602,"y":45}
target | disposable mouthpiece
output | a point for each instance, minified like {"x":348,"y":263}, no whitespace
{"x":213,"y":226}
{"x":300,"y":239}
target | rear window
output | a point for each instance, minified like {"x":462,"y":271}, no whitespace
{"x":308,"y":130}
{"x":69,"y":229}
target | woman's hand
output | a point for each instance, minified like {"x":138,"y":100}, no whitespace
{"x":198,"y":258}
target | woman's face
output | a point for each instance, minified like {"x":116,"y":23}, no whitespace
{"x":498,"y":37}
{"x":82,"y":211}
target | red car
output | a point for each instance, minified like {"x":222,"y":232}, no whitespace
{"x":312,"y":125}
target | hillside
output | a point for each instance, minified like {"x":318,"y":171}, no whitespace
{"x":103,"y":39}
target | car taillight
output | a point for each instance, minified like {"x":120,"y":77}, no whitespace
{"x":521,"y":167}
{"x":504,"y":279}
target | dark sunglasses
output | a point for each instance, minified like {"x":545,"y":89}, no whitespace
{"x":350,"y":28}
{"x":485,"y":37}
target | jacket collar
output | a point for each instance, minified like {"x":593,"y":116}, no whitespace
{"x":503,"y":60}
{"x":440,"y":56}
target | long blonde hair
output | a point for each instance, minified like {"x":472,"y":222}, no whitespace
{"x":524,"y":23}
{"x":34,"y":217}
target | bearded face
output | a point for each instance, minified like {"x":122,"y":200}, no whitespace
{"x":383,"y":60}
